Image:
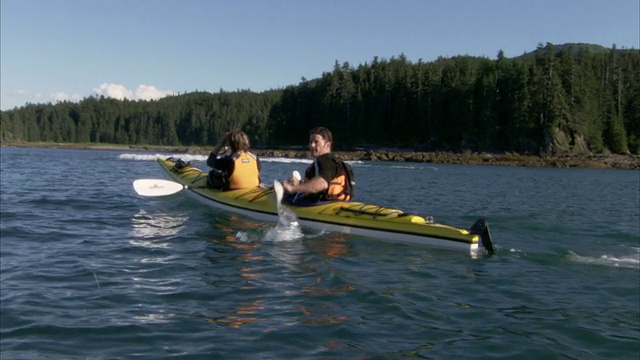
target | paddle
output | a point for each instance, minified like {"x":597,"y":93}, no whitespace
{"x":156,"y":187}
{"x":277,"y":187}
{"x":288,"y":227}
{"x":279,"y":190}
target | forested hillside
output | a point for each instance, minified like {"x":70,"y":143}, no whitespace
{"x":555,"y":100}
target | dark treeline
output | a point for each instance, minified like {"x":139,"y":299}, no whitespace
{"x":197,"y":118}
{"x":571,"y":98}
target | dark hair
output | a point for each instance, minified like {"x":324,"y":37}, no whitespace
{"x":323,"y":132}
{"x":238,"y":140}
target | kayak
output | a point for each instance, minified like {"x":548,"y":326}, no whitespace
{"x":392,"y":225}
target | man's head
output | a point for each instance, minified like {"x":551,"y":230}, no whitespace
{"x":320,"y":141}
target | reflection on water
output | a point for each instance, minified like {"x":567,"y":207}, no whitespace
{"x":246,"y":312}
{"x":319,"y":291}
{"x":331,"y":245}
{"x":288,"y":254}
{"x":152,"y":230}
{"x":247,"y":241}
{"x":317,"y":315}
{"x":269,"y":257}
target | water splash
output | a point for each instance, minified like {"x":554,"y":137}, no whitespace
{"x":631,"y":261}
{"x":243,"y":237}
{"x":287,"y":228}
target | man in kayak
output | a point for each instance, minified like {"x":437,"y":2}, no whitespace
{"x":237,"y":169}
{"x":326,"y":179}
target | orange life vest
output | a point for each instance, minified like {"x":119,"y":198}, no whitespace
{"x":246,"y":172}
{"x":336,"y":188}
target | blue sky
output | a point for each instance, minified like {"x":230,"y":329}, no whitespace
{"x":55,"y":50}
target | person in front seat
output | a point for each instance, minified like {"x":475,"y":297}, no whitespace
{"x":237,"y":169}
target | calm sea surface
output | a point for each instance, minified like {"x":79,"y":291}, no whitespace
{"x":91,"y":270}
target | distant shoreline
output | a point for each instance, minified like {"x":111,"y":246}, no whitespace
{"x":597,"y":161}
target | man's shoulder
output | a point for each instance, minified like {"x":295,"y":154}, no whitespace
{"x":326,"y":158}
{"x":326,"y":166}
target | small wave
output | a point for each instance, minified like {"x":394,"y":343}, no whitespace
{"x":203,"y":158}
{"x":154,"y":157}
{"x":159,"y":260}
{"x":285,"y":160}
{"x":625,"y":261}
{"x":154,"y":318}
{"x":299,"y":161}
{"x":149,"y":244}
{"x":414,"y":167}
{"x":146,"y":227}
{"x":159,"y":286}
{"x":403,"y":167}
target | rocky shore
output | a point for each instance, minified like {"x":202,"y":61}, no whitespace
{"x":601,"y":161}
{"x":509,"y":159}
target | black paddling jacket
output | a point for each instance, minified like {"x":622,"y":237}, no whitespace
{"x":330,"y":169}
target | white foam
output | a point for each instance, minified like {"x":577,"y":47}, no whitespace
{"x":203,"y":158}
{"x":286,"y":160}
{"x":243,"y":236}
{"x":153,"y":157}
{"x":284,"y":234}
{"x":624,"y":261}
{"x":287,"y":228}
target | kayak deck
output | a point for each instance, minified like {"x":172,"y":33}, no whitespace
{"x":347,"y":217}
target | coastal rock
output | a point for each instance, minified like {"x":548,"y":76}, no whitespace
{"x":573,"y":160}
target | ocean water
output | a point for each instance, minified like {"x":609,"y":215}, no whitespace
{"x":91,"y":270}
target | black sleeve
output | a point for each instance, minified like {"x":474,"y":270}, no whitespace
{"x":259,"y":172}
{"x":223,"y":164}
{"x":211,"y":160}
{"x":327,"y":168}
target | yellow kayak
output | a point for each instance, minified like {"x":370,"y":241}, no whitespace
{"x":347,"y":217}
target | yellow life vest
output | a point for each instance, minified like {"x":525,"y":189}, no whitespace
{"x":246,"y":172}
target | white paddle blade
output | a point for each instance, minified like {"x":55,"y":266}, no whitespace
{"x":156,"y":187}
{"x":277,"y":187}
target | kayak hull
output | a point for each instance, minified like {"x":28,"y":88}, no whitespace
{"x":391,"y":225}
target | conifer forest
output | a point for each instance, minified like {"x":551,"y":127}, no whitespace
{"x":557,"y":99}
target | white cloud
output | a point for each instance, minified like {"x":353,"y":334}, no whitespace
{"x":114,"y":91}
{"x":59,"y":96}
{"x":110,"y":90}
{"x":25,"y":94}
{"x":62,"y":96}
{"x":143,"y":92}
{"x":150,"y":92}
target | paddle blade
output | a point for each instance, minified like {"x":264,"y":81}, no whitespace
{"x":277,"y":187}
{"x":156,"y":187}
